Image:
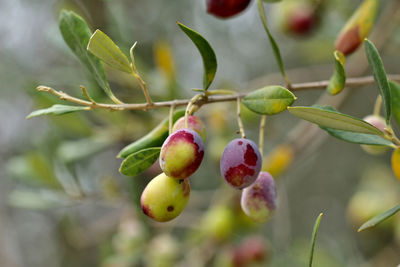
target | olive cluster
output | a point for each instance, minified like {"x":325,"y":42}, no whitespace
{"x":240,"y":167}
{"x":165,"y":197}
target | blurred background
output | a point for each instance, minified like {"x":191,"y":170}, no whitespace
{"x":63,"y":201}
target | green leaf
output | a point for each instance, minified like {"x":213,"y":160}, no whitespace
{"x":358,"y":138}
{"x":76,"y":34}
{"x":333,"y":119}
{"x":395,"y":97}
{"x":271,"y":1}
{"x":155,"y":138}
{"x":379,"y":218}
{"x":72,"y":151}
{"x":275,"y":47}
{"x":56,"y":110}
{"x":105,"y":49}
{"x":380,"y":77}
{"x":269,"y":100}
{"x":207,"y":53}
{"x":313,"y":238}
{"x":338,"y":79}
{"x":140,"y":161}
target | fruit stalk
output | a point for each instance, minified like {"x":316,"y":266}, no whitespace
{"x":241,"y":128}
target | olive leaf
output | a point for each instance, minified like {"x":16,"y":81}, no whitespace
{"x":334,"y":119}
{"x":313,"y":238}
{"x":207,"y":54}
{"x":395,"y":100}
{"x":139,"y":161}
{"x":357,"y":27}
{"x":105,"y":49}
{"x":338,"y":79}
{"x":76,"y":34}
{"x":56,"y":109}
{"x":269,"y":100}
{"x":275,"y":47}
{"x":378,"y":70}
{"x":358,"y":138}
{"x":379,"y":218}
{"x":155,"y":138}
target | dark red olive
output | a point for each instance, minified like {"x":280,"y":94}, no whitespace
{"x":226,"y":8}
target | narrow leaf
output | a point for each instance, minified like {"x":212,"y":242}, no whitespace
{"x":57,"y":109}
{"x":313,"y":238}
{"x":395,"y":100}
{"x":380,"y":77}
{"x":155,"y":138}
{"x":338,"y":79}
{"x":269,"y":100}
{"x":140,"y":161}
{"x":105,"y":49}
{"x":358,"y":138}
{"x":333,"y":119}
{"x":357,"y":28}
{"x":207,"y":54}
{"x":76,"y":34}
{"x":379,"y":218}
{"x":275,"y":47}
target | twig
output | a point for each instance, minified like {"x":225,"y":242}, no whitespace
{"x":136,"y":74}
{"x":261,"y":137}
{"x":171,"y":118}
{"x":351,"y":83}
{"x":240,"y":123}
{"x":189,"y":108}
{"x":86,"y":94}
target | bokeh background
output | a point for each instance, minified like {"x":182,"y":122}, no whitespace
{"x":63,"y":201}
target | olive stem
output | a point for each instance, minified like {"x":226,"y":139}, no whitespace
{"x":241,"y":128}
{"x":350,"y":82}
{"x":86,"y":94}
{"x":261,"y":137}
{"x":219,"y":92}
{"x":171,"y":118}
{"x":189,"y":106}
{"x":137,"y":76}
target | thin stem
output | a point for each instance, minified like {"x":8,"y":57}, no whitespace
{"x":377,"y":106}
{"x":189,"y":107}
{"x":261,"y":137}
{"x":86,"y":94}
{"x":144,"y":87}
{"x":351,"y":82}
{"x":171,"y":118}
{"x":137,"y":76}
{"x":219,"y":92}
{"x":240,"y":123}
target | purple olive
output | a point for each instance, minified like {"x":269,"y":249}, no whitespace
{"x":240,"y":163}
{"x":259,"y":200}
